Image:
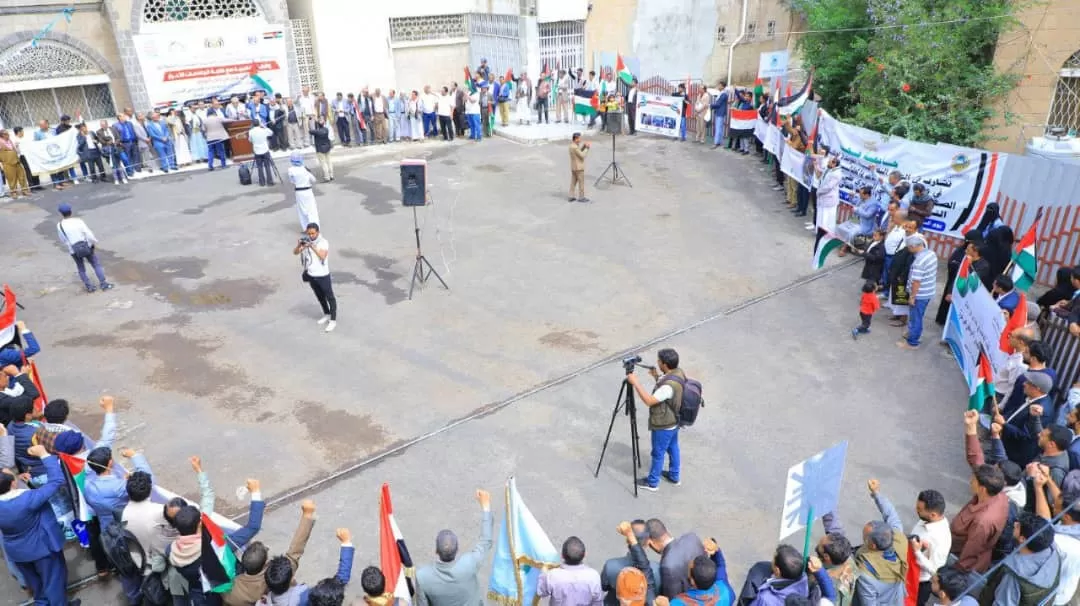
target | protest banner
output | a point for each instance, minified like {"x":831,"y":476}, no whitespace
{"x":812,"y":490}
{"x":761,"y":130}
{"x":659,"y":114}
{"x":961,"y":181}
{"x":51,"y":155}
{"x":793,"y":163}
{"x":774,"y":140}
{"x":974,"y":326}
{"x":185,"y":64}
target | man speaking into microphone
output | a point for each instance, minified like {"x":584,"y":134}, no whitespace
{"x":578,"y":150}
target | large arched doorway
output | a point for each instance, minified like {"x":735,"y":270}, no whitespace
{"x":50,"y":79}
{"x":1065,"y":106}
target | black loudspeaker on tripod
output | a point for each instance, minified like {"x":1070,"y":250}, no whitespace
{"x":414,"y":182}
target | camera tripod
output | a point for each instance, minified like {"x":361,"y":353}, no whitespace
{"x":618,"y":175}
{"x":419,"y":274}
{"x":625,"y":400}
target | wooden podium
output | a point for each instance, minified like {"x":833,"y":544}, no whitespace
{"x":238,"y":139}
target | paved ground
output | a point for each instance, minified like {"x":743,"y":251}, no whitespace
{"x":210,"y":344}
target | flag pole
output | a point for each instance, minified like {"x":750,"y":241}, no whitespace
{"x":809,"y":527}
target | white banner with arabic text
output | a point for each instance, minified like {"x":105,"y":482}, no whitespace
{"x":51,"y":155}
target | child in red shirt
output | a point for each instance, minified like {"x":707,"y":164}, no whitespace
{"x":868,"y":305}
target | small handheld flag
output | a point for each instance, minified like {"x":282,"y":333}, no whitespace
{"x":825,"y":243}
{"x":218,"y":559}
{"x":394,"y":558}
{"x":983,"y":387}
{"x":621,"y":70}
{"x":1025,"y":261}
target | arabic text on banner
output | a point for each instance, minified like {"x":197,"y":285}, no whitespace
{"x":962,"y":181}
{"x":659,"y":114}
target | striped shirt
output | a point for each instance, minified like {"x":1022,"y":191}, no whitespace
{"x":924,"y":271}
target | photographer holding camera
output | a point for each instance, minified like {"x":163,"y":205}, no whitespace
{"x":663,"y":403}
{"x":313,"y":250}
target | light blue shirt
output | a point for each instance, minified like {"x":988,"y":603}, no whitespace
{"x":106,"y":494}
{"x":158,"y":130}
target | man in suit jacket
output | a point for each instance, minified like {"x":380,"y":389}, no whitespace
{"x":32,"y":538}
{"x":578,"y":150}
{"x":450,"y":580}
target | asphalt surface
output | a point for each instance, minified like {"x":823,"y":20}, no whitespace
{"x":210,"y":345}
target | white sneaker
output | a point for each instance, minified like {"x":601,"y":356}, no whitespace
{"x":330,"y":326}
{"x":117,"y":183}
{"x":75,"y":181}
{"x":323,"y":320}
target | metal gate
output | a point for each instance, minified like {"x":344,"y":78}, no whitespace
{"x":497,"y":38}
{"x":562,"y":45}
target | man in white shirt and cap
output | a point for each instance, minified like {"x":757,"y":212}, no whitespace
{"x":81,"y":245}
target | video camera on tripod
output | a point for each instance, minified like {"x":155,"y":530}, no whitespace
{"x":626,"y":401}
{"x":635,"y":360}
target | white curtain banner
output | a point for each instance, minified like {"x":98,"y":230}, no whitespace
{"x":962,"y":181}
{"x":51,"y":155}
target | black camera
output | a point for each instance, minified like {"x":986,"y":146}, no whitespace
{"x":629,"y":363}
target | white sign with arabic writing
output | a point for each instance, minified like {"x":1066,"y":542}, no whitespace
{"x":962,"y":181}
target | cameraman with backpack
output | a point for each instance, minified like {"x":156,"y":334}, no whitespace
{"x":666,"y":415}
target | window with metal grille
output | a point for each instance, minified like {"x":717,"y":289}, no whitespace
{"x":562,"y":44}
{"x":26,"y":108}
{"x":434,"y":27}
{"x":721,"y":34}
{"x":162,"y":11}
{"x":1065,"y":107}
{"x":751,"y":31}
{"x":770,"y":29}
{"x":48,"y":59}
{"x":306,"y":63}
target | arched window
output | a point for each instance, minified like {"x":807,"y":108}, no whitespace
{"x":48,"y":80}
{"x":1065,"y":106}
{"x":163,"y":11}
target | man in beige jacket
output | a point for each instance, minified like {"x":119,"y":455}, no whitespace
{"x":578,"y":150}
{"x":249,"y":586}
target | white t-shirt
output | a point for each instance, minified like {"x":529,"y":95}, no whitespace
{"x":378,"y":104}
{"x":1069,"y":548}
{"x":307,"y":104}
{"x":313,"y":265}
{"x":429,"y":100}
{"x":72,"y":230}
{"x":446,"y":105}
{"x":260,"y":139}
{"x":938,"y":535}
{"x":472,"y":104}
{"x":664,"y":392}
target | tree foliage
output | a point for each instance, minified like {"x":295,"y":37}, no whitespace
{"x":900,"y":75}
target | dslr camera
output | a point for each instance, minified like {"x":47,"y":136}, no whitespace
{"x":630,"y":362}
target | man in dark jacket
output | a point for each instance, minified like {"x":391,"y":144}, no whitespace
{"x":88,"y":146}
{"x":18,"y":389}
{"x":921,"y":206}
{"x":675,"y":557}
{"x":788,"y":579}
{"x":321,"y":136}
{"x":635,"y":535}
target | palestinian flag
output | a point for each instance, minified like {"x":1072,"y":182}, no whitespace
{"x":1025,"y":263}
{"x":759,"y":92}
{"x":983,"y":388}
{"x":1018,"y":319}
{"x":218,"y":559}
{"x":586,"y":102}
{"x":743,"y":122}
{"x":621,"y":71}
{"x":7,"y":317}
{"x":791,"y":104}
{"x":545,"y":74}
{"x":394,"y":558}
{"x":75,"y":471}
{"x":826,"y":243}
{"x":469,"y":80}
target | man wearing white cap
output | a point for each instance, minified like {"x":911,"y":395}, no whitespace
{"x":302,"y":181}
{"x":922,"y":286}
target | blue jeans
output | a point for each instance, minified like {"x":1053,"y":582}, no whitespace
{"x":718,"y":131}
{"x":664,"y":442}
{"x":915,"y":321}
{"x":884,"y":281}
{"x":682,"y":128}
{"x":134,"y":157}
{"x":217,"y":150}
{"x":431,"y":125}
{"x":475,"y":132}
{"x":80,"y":264}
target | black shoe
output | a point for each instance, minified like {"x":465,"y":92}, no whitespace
{"x":75,"y":602}
{"x":643,"y":484}
{"x":91,"y":289}
{"x":583,"y":200}
{"x":106,"y":286}
{"x":667,"y":476}
{"x":572,"y":200}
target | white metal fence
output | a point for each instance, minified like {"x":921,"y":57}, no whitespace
{"x":562,"y":45}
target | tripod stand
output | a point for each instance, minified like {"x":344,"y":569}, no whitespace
{"x":618,"y":175}
{"x":419,"y":274}
{"x":624,"y":400}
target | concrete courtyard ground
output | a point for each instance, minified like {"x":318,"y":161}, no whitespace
{"x":210,"y":345}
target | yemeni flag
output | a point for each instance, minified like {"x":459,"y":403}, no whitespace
{"x":1025,"y":263}
{"x":1017,"y":320}
{"x":218,"y":559}
{"x":983,"y":388}
{"x":469,"y":80}
{"x":911,"y":580}
{"x":791,"y":104}
{"x":7,"y":316}
{"x":826,"y":243}
{"x":621,"y":71}
{"x":743,"y":122}
{"x":394,"y":558}
{"x":75,"y":472}
{"x":586,"y":102}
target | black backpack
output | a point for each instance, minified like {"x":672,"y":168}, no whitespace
{"x":692,"y":402}
{"x":245,"y":174}
{"x":118,"y":543}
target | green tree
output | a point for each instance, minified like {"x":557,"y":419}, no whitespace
{"x":834,"y":55}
